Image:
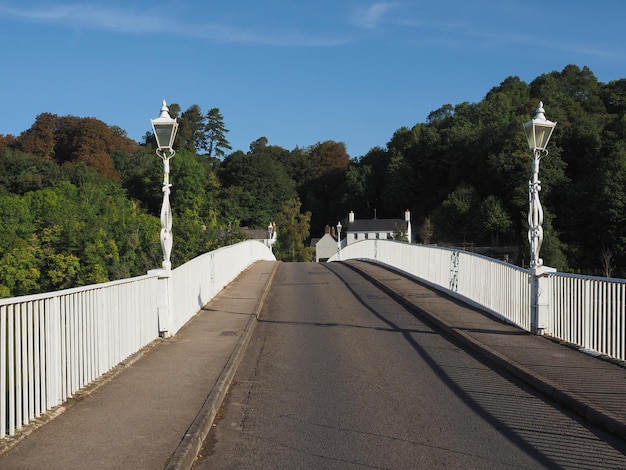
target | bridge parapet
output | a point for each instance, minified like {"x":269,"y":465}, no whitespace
{"x":586,"y":311}
{"x":54,"y":344}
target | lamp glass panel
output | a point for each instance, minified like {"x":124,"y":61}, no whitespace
{"x":530,"y":135}
{"x":543,"y":134}
{"x":540,"y":136}
{"x":163,"y":134}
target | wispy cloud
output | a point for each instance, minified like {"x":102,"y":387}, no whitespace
{"x":87,"y":16}
{"x":453,"y":33}
{"x":92,"y":17}
{"x":588,"y":49}
{"x":370,"y":17}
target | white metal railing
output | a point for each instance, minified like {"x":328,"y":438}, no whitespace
{"x":197,"y":281}
{"x":589,"y":312}
{"x":582,"y":310}
{"x":499,"y":287}
{"x":54,"y":344}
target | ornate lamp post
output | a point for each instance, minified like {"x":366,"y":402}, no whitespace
{"x":165,"y":128}
{"x":338,"y":241}
{"x":538,"y":132}
{"x":270,"y":235}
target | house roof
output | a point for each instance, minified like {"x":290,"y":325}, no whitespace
{"x":376,"y":225}
{"x":325,"y":237}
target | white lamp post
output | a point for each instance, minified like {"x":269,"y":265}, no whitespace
{"x":538,"y":132}
{"x":270,"y":235}
{"x":338,"y":241}
{"x":165,"y":128}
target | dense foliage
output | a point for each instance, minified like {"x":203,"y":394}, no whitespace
{"x":79,"y":201}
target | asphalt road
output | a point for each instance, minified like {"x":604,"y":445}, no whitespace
{"x":338,"y":375}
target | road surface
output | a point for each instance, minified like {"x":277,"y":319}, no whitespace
{"x":339,"y":376}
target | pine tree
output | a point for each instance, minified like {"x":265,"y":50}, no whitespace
{"x":215,"y":132}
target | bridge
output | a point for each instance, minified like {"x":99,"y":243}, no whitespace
{"x":165,"y":346}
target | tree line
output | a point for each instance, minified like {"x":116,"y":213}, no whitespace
{"x":80,"y":201}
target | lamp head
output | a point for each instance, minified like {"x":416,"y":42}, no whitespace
{"x":539,"y":130}
{"x":165,"y":129}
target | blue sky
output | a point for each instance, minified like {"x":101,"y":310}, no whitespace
{"x":296,"y":72}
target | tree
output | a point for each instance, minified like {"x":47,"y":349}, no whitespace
{"x":191,"y":134}
{"x":456,"y":217}
{"x":324,"y":191}
{"x":73,"y":139}
{"x":215,"y":134}
{"x":293,"y":229}
{"x":265,"y":181}
{"x":38,"y":141}
{"x":426,"y":231}
{"x":400,"y":233}
{"x":495,"y":219}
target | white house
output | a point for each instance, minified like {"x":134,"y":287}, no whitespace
{"x":382,"y":229}
{"x":326,"y":246}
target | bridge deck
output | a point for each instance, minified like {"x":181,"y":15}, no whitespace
{"x":172,"y":391}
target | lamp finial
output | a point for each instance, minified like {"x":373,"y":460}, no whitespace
{"x":540,"y":112}
{"x":165,"y":111}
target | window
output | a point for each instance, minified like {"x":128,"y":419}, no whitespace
{"x":377,"y":235}
{"x":367,"y":235}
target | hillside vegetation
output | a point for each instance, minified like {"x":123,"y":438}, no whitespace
{"x":80,"y":201}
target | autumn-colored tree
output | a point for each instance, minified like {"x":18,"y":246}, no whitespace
{"x":40,"y":139}
{"x":6,"y":141}
{"x":74,"y":139}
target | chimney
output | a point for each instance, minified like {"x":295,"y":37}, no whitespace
{"x":407,"y":215}
{"x":327,"y":230}
{"x":351,"y":217}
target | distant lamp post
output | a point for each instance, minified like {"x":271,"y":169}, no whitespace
{"x":338,"y":241}
{"x":165,"y":128}
{"x":538,"y":132}
{"x":270,"y":235}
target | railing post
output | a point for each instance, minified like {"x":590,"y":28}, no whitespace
{"x":540,"y":300}
{"x":164,"y":302}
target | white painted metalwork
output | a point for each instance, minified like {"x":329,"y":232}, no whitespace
{"x":538,"y":132}
{"x":54,"y":344}
{"x":589,"y":312}
{"x":499,"y":287}
{"x":165,"y":128}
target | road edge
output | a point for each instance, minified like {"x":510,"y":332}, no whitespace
{"x":185,"y":454}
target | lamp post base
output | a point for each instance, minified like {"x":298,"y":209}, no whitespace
{"x":539,"y":299}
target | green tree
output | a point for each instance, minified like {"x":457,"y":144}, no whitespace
{"x":455,"y":219}
{"x":191,"y":134}
{"x":215,"y":132}
{"x":20,"y":272}
{"x":494,"y":218}
{"x":293,"y":229}
{"x":261,"y":177}
{"x":324,"y":192}
{"x":426,"y":231}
